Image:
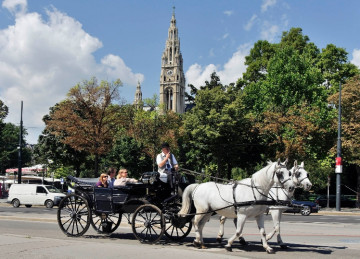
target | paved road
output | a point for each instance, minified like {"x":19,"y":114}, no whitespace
{"x":34,"y":233}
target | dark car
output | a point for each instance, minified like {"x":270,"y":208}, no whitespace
{"x":303,"y":207}
{"x":344,"y":201}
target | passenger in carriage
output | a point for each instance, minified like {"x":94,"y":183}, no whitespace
{"x":167,"y":164}
{"x":111,"y":176}
{"x":102,"y":181}
{"x":122,"y":179}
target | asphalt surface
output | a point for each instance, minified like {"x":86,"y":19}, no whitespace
{"x":34,"y":233}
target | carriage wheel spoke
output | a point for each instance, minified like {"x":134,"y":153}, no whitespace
{"x":66,"y":221}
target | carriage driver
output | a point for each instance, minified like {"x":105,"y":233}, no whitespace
{"x":166,"y":165}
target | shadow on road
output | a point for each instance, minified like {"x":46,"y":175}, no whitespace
{"x":211,"y":243}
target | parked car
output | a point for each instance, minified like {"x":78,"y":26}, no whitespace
{"x":345,"y":201}
{"x":303,"y":207}
{"x":34,"y":194}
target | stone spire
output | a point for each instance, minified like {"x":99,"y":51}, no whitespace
{"x":138,"y":95}
{"x":172,"y":79}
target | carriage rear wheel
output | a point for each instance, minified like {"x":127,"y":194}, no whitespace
{"x":148,"y":223}
{"x":105,"y":223}
{"x":73,"y":215}
{"x":177,"y":228}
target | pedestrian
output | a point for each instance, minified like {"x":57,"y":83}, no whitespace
{"x":111,"y":177}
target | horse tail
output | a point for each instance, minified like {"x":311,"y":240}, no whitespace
{"x":187,"y":199}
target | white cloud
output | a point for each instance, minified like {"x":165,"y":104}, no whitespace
{"x":41,"y":59}
{"x":229,"y":12}
{"x":250,"y":23}
{"x":225,"y":36}
{"x":269,"y":31}
{"x":356,"y":57}
{"x":266,"y":4}
{"x":17,"y":7}
{"x":232,"y":70}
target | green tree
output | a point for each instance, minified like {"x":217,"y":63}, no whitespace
{"x":335,"y":66}
{"x":9,"y":142}
{"x":217,"y":130}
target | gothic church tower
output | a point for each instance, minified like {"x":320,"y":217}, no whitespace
{"x":172,"y":79}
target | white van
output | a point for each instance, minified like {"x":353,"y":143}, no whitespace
{"x":34,"y":194}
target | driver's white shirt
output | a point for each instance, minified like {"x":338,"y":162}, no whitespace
{"x":160,"y":157}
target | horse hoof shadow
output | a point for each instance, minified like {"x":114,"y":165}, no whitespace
{"x":270,"y":252}
{"x":242,"y":242}
{"x":219,"y":239}
{"x":227,"y":248}
{"x":284,"y":247}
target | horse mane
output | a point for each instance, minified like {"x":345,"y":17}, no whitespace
{"x":258,"y":177}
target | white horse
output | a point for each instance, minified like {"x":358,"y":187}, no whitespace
{"x":236,"y":201}
{"x":300,"y":178}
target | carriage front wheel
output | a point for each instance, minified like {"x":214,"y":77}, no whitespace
{"x":176,"y":227}
{"x":73,"y":215}
{"x":148,"y":223}
{"x":105,"y":223}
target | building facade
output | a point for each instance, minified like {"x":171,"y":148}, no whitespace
{"x":172,"y":79}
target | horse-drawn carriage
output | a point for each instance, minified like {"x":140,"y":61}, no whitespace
{"x":153,"y":209}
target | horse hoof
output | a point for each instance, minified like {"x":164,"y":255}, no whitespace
{"x":270,"y":251}
{"x":228,"y":248}
{"x":196,"y":244}
{"x":203,"y":247}
{"x":242,"y":241}
{"x":283,"y":246}
{"x":219,"y":239}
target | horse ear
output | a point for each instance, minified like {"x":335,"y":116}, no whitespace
{"x":286,"y":161}
{"x":295,"y":163}
{"x":302,"y":164}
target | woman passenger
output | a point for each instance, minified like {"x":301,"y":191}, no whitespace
{"x":102,"y":181}
{"x":122,"y":179}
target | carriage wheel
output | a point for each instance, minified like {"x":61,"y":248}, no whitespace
{"x":105,"y":223}
{"x":148,"y":223}
{"x":177,"y":228}
{"x":73,"y":215}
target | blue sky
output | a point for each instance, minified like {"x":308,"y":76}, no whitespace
{"x":47,"y":46}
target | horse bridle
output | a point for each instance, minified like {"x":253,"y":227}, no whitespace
{"x":278,"y":169}
{"x":299,"y":181}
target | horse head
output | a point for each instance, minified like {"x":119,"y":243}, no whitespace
{"x":301,"y":176}
{"x":283,"y":176}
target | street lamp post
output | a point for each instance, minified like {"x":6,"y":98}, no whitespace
{"x":20,"y":145}
{"x":338,"y":166}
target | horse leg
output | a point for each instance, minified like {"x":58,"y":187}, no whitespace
{"x":221,"y":229}
{"x":239,"y":227}
{"x":279,"y":240}
{"x":276,"y":221}
{"x":202,"y":223}
{"x":241,"y":238}
{"x":199,"y":223}
{"x":260,"y":223}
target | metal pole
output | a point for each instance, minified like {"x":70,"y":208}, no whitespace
{"x":338,"y":169}
{"x":20,"y":144}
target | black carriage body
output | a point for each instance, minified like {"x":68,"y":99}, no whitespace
{"x":125,"y":199}
{"x":104,"y":207}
